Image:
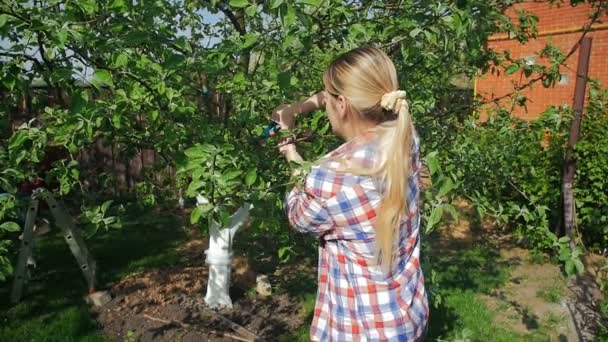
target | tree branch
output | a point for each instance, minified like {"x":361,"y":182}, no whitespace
{"x":233,"y":19}
{"x":586,"y":29}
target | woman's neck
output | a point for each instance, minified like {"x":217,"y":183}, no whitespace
{"x":357,"y":129}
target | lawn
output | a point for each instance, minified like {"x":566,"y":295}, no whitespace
{"x":53,"y":308}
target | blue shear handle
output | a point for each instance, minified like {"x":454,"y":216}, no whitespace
{"x":272,"y":127}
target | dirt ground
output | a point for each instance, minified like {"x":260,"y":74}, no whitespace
{"x":168,"y":305}
{"x":536,"y":295}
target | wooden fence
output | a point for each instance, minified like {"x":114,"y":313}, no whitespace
{"x":100,"y":158}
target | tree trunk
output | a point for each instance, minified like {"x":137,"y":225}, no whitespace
{"x":569,"y":169}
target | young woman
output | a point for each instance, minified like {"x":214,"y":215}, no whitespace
{"x":361,"y":200}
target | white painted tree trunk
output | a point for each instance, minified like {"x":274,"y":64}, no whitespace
{"x":219,"y":256}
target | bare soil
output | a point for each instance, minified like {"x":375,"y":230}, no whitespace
{"x":167,"y":305}
{"x":537,"y":297}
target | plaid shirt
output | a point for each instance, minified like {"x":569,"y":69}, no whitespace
{"x":356,"y":301}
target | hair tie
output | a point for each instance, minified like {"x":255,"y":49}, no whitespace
{"x":393,"y":100}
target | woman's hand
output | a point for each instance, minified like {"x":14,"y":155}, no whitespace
{"x":285,"y":115}
{"x":288,"y":149}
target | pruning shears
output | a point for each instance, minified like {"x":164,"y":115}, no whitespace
{"x":271,"y":130}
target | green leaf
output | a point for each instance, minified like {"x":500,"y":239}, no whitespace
{"x":284,"y":80}
{"x":224,"y":218}
{"x":106,"y":205}
{"x":288,"y":16}
{"x":239,"y":3}
{"x":434,"y":218}
{"x":10,"y":227}
{"x":311,"y":2}
{"x":275,"y":3}
{"x":102,"y":77}
{"x":121,"y":60}
{"x":446,"y":187}
{"x":512,"y":69}
{"x":452,"y":210}
{"x":199,"y":151}
{"x":432,"y":162}
{"x":570,"y":268}
{"x":580,"y":268}
{"x":415,"y":32}
{"x":248,"y":40}
{"x":284,"y":253}
{"x":196,"y":215}
{"x":116,"y":120}
{"x":231,"y":175}
{"x":62,"y":37}
{"x":119,"y":5}
{"x":89,"y":6}
{"x":193,"y":187}
{"x":251,"y":10}
{"x":17,"y":140}
{"x":251,"y":177}
{"x":3,"y":19}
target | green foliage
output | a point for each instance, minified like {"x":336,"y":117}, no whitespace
{"x":513,"y":183}
{"x":438,"y":199}
{"x":8,"y":212}
{"x":518,"y":185}
{"x":591,"y":188}
{"x":99,"y":217}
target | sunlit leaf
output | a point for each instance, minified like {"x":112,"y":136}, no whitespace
{"x":10,"y":227}
{"x":239,"y":3}
{"x":3,"y":20}
{"x":251,"y":177}
{"x":512,"y":69}
{"x":102,"y":78}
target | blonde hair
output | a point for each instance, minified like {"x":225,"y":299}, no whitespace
{"x":367,"y":78}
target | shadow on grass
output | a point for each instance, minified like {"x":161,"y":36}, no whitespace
{"x":453,"y":277}
{"x":52,"y":305}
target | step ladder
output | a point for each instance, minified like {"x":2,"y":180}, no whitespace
{"x":70,"y":232}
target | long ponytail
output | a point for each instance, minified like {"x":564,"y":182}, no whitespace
{"x":396,"y":140}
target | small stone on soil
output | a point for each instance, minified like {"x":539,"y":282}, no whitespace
{"x":99,"y":298}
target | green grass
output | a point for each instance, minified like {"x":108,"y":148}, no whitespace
{"x":467,"y":317}
{"x":551,"y":294}
{"x":52,"y":306}
{"x":456,"y":280}
{"x":72,"y":323}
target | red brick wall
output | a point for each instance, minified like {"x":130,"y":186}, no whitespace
{"x":553,"y":21}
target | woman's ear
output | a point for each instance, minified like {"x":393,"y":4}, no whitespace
{"x":341,"y":107}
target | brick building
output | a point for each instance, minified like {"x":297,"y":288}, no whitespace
{"x":563,"y":26}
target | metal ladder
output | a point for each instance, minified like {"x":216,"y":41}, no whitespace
{"x":70,"y":232}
